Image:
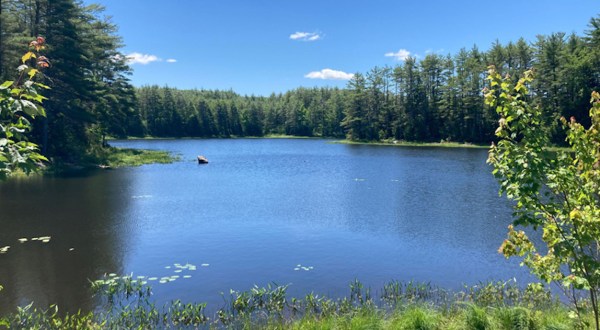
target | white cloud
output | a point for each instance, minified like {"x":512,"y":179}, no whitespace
{"x":139,"y":58}
{"x":329,"y":75}
{"x":305,"y":36}
{"x":171,"y":60}
{"x":401,"y":55}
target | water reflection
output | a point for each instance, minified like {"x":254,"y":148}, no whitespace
{"x":81,"y":214}
{"x":259,"y":208}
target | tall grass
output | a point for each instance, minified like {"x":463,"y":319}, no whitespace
{"x":119,"y":157}
{"x":127,"y":303}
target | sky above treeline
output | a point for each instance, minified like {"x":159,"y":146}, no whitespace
{"x":260,"y":47}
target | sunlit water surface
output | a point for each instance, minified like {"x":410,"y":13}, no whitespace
{"x":260,"y":208}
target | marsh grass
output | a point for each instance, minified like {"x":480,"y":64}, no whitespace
{"x":126,"y":304}
{"x":120,"y":157}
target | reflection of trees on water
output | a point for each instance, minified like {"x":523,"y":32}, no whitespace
{"x":83,"y":213}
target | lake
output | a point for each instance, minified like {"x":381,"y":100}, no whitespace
{"x":305,"y":212}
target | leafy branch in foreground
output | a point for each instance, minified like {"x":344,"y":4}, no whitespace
{"x":557,"y":191}
{"x":20,"y":102}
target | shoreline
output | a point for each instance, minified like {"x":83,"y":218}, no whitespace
{"x":396,"y":143}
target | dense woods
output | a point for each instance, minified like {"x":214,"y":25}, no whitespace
{"x":90,"y":92}
{"x":438,"y":97}
{"x":433,"y":98}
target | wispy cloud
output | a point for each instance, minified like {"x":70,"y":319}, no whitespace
{"x":139,"y":58}
{"x":400,"y":55}
{"x":329,"y":74}
{"x":305,"y":36}
{"x":143,"y":59}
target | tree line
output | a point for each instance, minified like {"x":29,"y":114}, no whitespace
{"x":434,"y":98}
{"x":438,"y":97}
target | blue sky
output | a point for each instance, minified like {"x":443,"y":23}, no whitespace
{"x":259,"y":47}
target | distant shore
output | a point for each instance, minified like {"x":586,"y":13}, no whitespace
{"x":397,"y":143}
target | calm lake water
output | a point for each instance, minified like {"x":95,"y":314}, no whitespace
{"x":257,"y":211}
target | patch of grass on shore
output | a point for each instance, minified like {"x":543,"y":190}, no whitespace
{"x":120,"y":157}
{"x":398,"y":143}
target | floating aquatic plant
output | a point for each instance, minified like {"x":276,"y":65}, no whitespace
{"x":305,"y":268}
{"x":43,"y":239}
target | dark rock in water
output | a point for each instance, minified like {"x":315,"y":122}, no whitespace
{"x":202,"y":160}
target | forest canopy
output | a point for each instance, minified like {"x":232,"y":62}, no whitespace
{"x":435,"y":98}
{"x":439,"y":97}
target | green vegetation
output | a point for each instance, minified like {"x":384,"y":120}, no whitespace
{"x":19,"y":103}
{"x":119,"y":157}
{"x":90,"y":92}
{"x":558,"y":192}
{"x":417,"y":144}
{"x":436,"y":99}
{"x":433,"y":99}
{"x":500,"y":305}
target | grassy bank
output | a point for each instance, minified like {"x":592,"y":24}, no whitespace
{"x":416,"y":144}
{"x":120,"y":157}
{"x":498,"y":305}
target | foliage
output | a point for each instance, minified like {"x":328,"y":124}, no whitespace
{"x":434,"y":99}
{"x":91,"y":94}
{"x":19,"y":103}
{"x":126,"y":303}
{"x":558,"y":192}
{"x":437,"y":98}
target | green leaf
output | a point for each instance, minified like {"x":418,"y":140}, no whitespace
{"x":32,"y":73}
{"x":27,"y":56}
{"x":7,"y":84}
{"x":41,"y":85}
{"x":29,"y":108}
